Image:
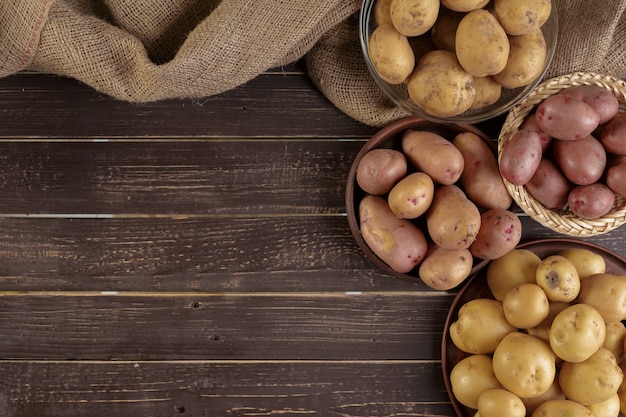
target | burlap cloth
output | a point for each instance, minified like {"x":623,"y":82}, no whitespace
{"x":149,"y":50}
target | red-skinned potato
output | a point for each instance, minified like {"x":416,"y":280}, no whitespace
{"x":616,"y":178}
{"x":520,"y":157}
{"x":397,"y":242}
{"x":380,"y":169}
{"x":549,"y":186}
{"x":530,"y":123}
{"x":500,"y":232}
{"x":599,"y":98}
{"x":566,"y":118}
{"x":582,"y":161}
{"x":613,"y":135}
{"x":591,"y":201}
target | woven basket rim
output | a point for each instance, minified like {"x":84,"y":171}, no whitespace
{"x":562,"y":221}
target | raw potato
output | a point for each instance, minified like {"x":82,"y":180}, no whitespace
{"x":519,"y":17}
{"x":565,"y":118}
{"x":586,"y":261}
{"x":542,"y":330}
{"x":520,"y":157}
{"x":453,"y":221}
{"x":443,"y":32}
{"x":616,"y":178}
{"x":500,"y":232}
{"x":464,"y":5}
{"x":526,"y":60}
{"x":472,"y":376}
{"x":499,"y":402}
{"x":397,"y":242}
{"x":414,"y":17}
{"x":434,"y":155}
{"x":444,"y":269}
{"x":391,"y":54}
{"x":577,"y":332}
{"x":381,"y":12}
{"x":411,"y":196}
{"x":553,"y":393}
{"x":482,"y":46}
{"x":563,"y":407}
{"x":607,"y":294}
{"x":613,"y":135}
{"x":380,"y":169}
{"x":602,"y":100}
{"x":593,"y":380}
{"x":591,"y":201}
{"x":608,"y":408}
{"x":488,"y":92}
{"x":481,"y":178}
{"x":559,"y":278}
{"x":524,"y":365}
{"x":549,"y":186}
{"x":582,"y":161}
{"x":480,"y":326}
{"x":510,"y":270}
{"x":440,"y":85}
{"x":530,"y":123}
{"x":526,"y":306}
{"x":614,"y":338}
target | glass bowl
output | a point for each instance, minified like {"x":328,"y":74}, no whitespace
{"x":399,"y":94}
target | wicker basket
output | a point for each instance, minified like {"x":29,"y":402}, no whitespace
{"x":563,"y":221}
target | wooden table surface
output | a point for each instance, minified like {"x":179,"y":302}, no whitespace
{"x":193,"y":257}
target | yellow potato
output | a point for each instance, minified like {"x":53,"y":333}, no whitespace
{"x":586,"y":261}
{"x":567,"y":408}
{"x":553,"y":393}
{"x":614,"y":339}
{"x":488,"y":92}
{"x":577,"y":332}
{"x":558,"y":277}
{"x":440,"y":86}
{"x":526,"y":59}
{"x":607,"y":293}
{"x":621,"y":391}
{"x":515,"y":267}
{"x":542,"y":330}
{"x":444,"y":269}
{"x":519,"y":17}
{"x":443,"y":32}
{"x":482,"y":46}
{"x":481,"y":178}
{"x":411,"y":196}
{"x":453,"y":221}
{"x":391,"y":54}
{"x":524,"y":365}
{"x":464,"y":5}
{"x":413,"y":17}
{"x":472,"y":376}
{"x":499,"y":402}
{"x":607,"y":408}
{"x":593,"y":380}
{"x":480,"y":326}
{"x":526,"y":306}
{"x":381,"y":12}
{"x":434,"y":155}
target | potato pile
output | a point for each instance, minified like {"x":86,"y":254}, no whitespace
{"x":458,"y":55}
{"x":434,"y":205}
{"x":550,"y":342}
{"x":570,"y":152}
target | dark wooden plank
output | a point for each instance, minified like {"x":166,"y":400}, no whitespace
{"x":188,"y":177}
{"x":194,"y":389}
{"x":277,"y":103}
{"x":238,"y":326}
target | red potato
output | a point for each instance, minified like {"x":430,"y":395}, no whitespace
{"x":582,"y":161}
{"x":380,"y":169}
{"x":520,"y":157}
{"x":603,"y":101}
{"x":565,"y":118}
{"x":500,"y":232}
{"x":549,"y":186}
{"x":397,"y":242}
{"x":616,"y":178}
{"x":530,"y":123}
{"x":591,"y":201}
{"x":613,"y":135}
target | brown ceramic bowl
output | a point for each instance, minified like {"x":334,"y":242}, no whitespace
{"x":390,"y":137}
{"x":477,"y":288}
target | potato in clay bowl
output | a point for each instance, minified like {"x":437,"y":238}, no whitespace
{"x":512,"y":346}
{"x":425,"y":202}
{"x":562,"y":154}
{"x":457,"y":61}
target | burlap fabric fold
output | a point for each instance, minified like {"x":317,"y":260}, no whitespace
{"x":149,"y":50}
